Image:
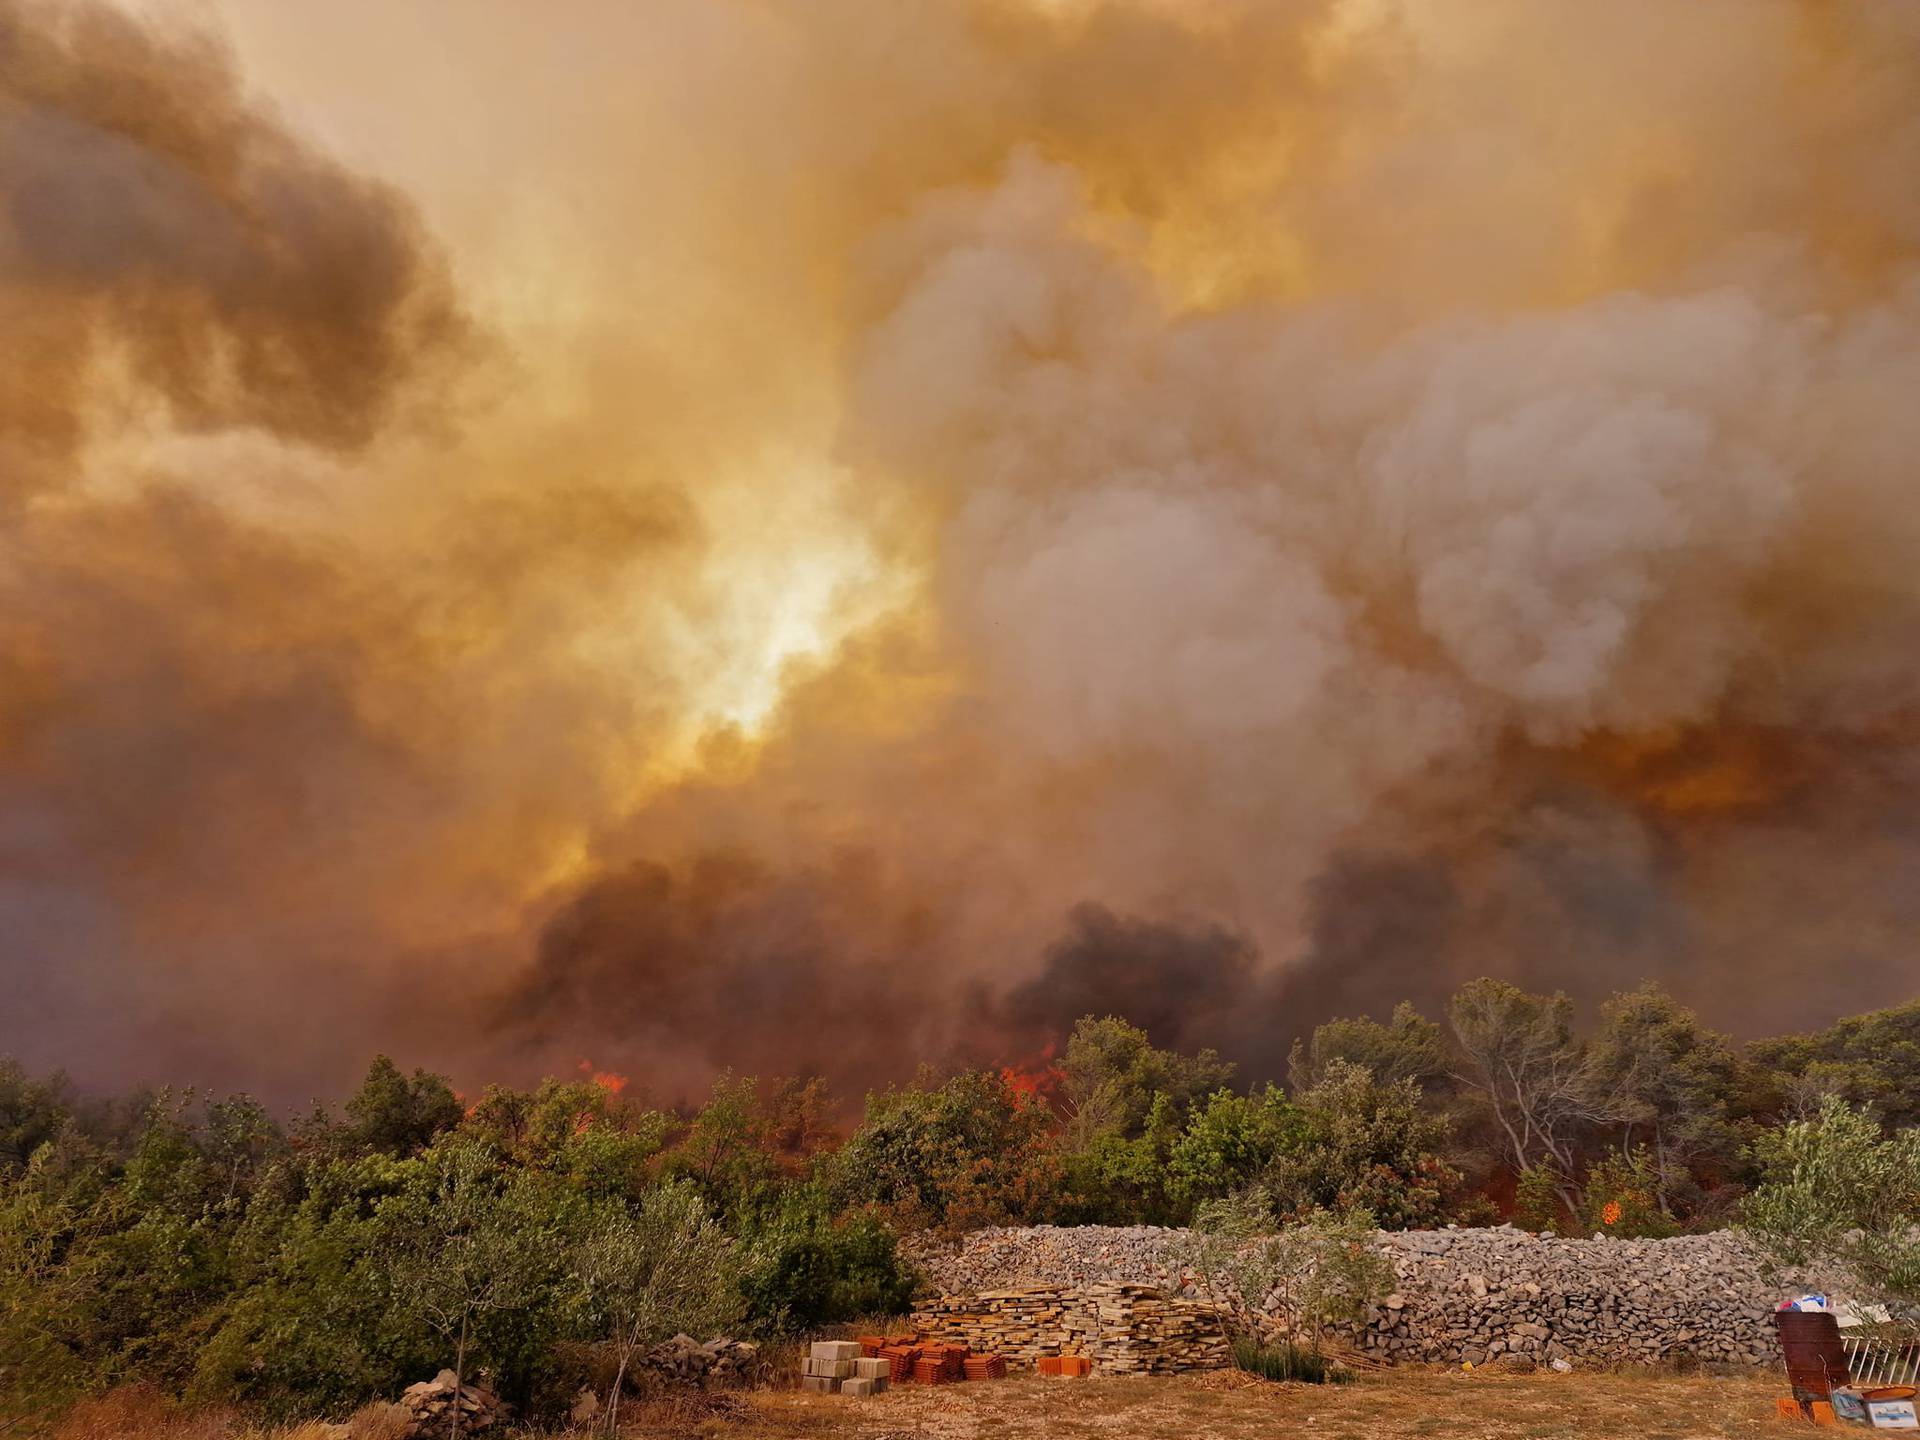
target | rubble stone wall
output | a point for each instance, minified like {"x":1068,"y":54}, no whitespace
{"x":1460,"y":1295}
{"x":1123,"y":1328}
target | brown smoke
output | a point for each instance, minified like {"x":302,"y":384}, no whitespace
{"x":870,"y":529}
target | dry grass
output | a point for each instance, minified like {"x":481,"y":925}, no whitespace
{"x":1390,"y":1405}
{"x":1228,"y":1406}
{"x":136,"y":1413}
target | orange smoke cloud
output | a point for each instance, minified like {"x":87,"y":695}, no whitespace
{"x":855,"y":539}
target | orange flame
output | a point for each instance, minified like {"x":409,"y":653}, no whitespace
{"x":1036,"y":1079}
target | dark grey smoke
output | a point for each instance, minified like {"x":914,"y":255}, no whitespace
{"x":1187,"y":986}
{"x":674,"y":974}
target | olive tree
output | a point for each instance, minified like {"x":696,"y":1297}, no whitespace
{"x":661,"y":1267}
{"x":1836,"y":1189}
{"x":1323,"y":1269}
{"x":471,"y":1244}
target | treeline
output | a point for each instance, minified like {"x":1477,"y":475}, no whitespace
{"x":1643,"y":1122}
{"x":548,"y":1236}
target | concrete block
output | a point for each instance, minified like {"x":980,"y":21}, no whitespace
{"x":835,"y":1350}
{"x":872,"y":1369}
{"x":856,"y":1386}
{"x":819,"y":1384}
{"x":830,"y":1369}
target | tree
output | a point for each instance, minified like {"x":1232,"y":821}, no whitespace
{"x":1530,"y":1074}
{"x":806,"y":1266}
{"x":963,"y":1152}
{"x":664,"y":1266}
{"x":32,"y":1112}
{"x":1622,"y":1198}
{"x":1408,"y":1047}
{"x":1116,"y":1178}
{"x":1834,"y":1189}
{"x":47,"y":1332}
{"x":1363,"y":1144}
{"x":725,"y":1151}
{"x":471,"y":1243}
{"x":1870,"y":1060}
{"x":1665,"y":1081}
{"x":399,"y":1116}
{"x":1111,"y":1074}
{"x":1231,"y":1141}
{"x":1319,"y":1271}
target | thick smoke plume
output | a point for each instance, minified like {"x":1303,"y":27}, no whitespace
{"x":871,"y":530}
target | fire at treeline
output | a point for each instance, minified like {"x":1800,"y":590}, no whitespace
{"x":214,"y":1249}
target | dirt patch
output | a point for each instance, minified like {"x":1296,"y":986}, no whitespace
{"x":1387,"y":1406}
{"x":1224,"y":1405}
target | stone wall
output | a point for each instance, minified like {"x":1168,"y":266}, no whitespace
{"x":1459,"y":1295}
{"x":1123,"y":1328}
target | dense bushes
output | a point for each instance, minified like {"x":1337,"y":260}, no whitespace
{"x":219,"y":1257}
{"x":213,"y":1251}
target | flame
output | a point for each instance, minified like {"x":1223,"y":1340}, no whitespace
{"x":1037,"y":1079}
{"x":610,"y":1081}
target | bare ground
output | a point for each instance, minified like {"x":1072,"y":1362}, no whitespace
{"x":1227,"y":1405}
{"x":1230,"y":1406}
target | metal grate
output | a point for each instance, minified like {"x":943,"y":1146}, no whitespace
{"x":1882,"y":1355}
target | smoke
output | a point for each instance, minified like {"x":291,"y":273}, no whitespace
{"x":725,"y":963}
{"x":1182,"y":985}
{"x":858,"y":535}
{"x":152,"y":223}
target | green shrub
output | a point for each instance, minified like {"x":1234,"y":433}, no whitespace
{"x":1536,"y":1200}
{"x":1287,"y":1361}
{"x":806,"y":1267}
{"x":1621,"y":1198}
{"x":1836,"y":1189}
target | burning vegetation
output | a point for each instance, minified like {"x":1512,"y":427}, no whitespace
{"x":543,"y":1243}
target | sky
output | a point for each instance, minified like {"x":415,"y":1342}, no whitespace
{"x":828,"y":537}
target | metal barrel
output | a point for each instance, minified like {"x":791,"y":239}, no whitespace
{"x":1816,"y":1361}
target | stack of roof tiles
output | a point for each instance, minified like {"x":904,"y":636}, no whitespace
{"x":984,"y":1367}
{"x":866,"y":1366}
